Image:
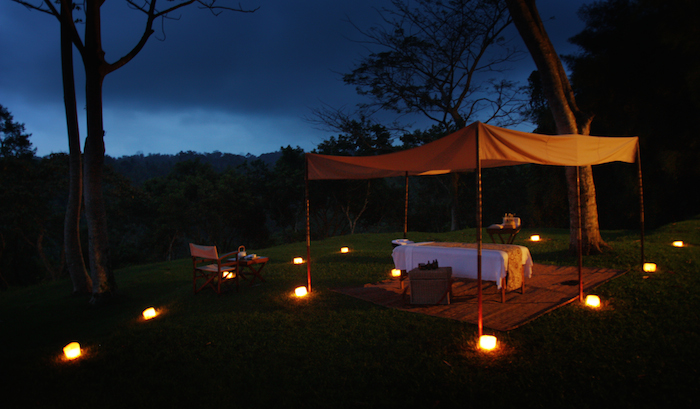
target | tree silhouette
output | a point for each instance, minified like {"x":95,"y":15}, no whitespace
{"x":435,"y":59}
{"x":639,"y":71}
{"x":96,"y":69}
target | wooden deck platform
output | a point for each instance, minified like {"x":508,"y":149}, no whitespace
{"x":549,"y":288}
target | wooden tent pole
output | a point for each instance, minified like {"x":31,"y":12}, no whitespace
{"x":308,"y":226}
{"x":405,"y":215}
{"x":579,"y":235}
{"x":641,"y":206}
{"x":478,"y":233}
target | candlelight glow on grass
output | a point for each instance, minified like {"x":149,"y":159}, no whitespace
{"x":395,"y":272}
{"x":300,"y":291}
{"x":72,"y":350}
{"x":149,"y":313}
{"x":649,"y":267}
{"x":678,"y":243}
{"x":344,"y":250}
{"x":298,"y":260}
{"x":535,"y":237}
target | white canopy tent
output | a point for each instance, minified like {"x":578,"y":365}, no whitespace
{"x":472,"y":148}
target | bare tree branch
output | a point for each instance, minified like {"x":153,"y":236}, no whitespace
{"x":152,"y":13}
{"x":327,"y":118}
{"x":431,"y":59}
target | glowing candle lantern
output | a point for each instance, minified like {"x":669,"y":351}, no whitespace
{"x":678,"y":243}
{"x":395,"y":272}
{"x":298,"y":260}
{"x":535,"y":237}
{"x":487,"y":342}
{"x":593,"y":301}
{"x":72,"y":350}
{"x":344,"y":250}
{"x":228,"y":275}
{"x":149,"y":313}
{"x":649,"y":267}
{"x":300,"y":291}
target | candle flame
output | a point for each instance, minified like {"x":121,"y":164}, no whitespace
{"x":593,"y":301}
{"x":149,"y":313}
{"x":72,"y":350}
{"x":487,"y":342}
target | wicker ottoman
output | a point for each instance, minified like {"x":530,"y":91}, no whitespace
{"x":431,"y":286}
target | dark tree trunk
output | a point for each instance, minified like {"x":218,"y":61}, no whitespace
{"x":103,"y":282}
{"x":71,"y":226}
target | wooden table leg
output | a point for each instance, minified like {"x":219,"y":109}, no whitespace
{"x":503,"y":290}
{"x":255,"y":273}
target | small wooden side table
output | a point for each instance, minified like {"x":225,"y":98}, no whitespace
{"x":254,"y":267}
{"x":510,"y":232}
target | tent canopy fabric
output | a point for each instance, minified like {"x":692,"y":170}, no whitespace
{"x":457,"y":153}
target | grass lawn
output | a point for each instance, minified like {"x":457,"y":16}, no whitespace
{"x":263,"y":347}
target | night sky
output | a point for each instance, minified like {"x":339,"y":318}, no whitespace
{"x":237,"y":83}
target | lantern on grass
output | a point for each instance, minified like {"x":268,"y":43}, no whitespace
{"x":344,"y":250}
{"x":395,"y":272}
{"x":298,"y":260}
{"x":593,"y":301}
{"x":678,"y":243}
{"x":72,"y":350}
{"x":149,"y":313}
{"x":535,"y":237}
{"x":649,"y":267}
{"x":300,"y":291}
{"x":487,"y":342}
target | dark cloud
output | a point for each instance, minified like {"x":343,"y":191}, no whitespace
{"x":267,"y":61}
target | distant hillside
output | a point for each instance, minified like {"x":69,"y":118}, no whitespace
{"x":139,"y":168}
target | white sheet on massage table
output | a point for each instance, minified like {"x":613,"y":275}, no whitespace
{"x":461,"y":259}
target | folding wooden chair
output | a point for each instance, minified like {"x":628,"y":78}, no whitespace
{"x":207,"y":265}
